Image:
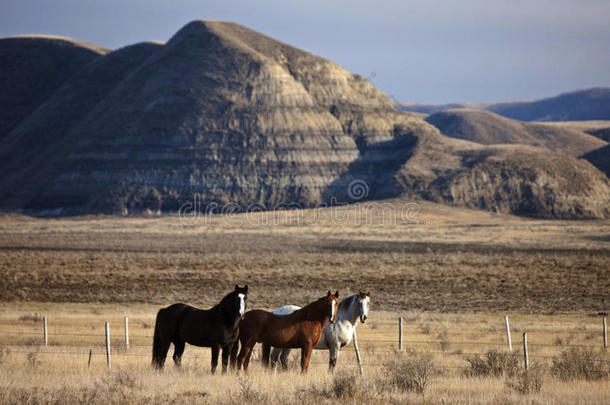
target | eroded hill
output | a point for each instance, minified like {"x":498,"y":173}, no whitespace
{"x":488,"y":128}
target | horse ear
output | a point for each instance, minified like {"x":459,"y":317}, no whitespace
{"x":368,"y":293}
{"x":246,"y":288}
{"x":337,"y":293}
{"x":236,"y":287}
{"x":328,"y":293}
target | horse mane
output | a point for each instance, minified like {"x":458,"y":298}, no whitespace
{"x":347,"y":302}
{"x":309,"y":306}
{"x":224,"y":302}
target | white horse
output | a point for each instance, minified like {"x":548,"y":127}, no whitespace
{"x":334,"y":335}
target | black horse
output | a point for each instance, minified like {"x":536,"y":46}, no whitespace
{"x":217,"y":328}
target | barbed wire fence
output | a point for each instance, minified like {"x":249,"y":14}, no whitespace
{"x":373,"y":347}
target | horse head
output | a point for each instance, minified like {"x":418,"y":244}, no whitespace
{"x":363,"y":304}
{"x":240,"y":299}
{"x":333,"y":301}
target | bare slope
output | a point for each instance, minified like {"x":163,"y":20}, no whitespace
{"x":488,"y":128}
{"x":32,"y":68}
{"x":40,"y":145}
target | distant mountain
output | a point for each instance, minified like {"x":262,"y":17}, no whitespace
{"x":590,"y":104}
{"x":32,"y":67}
{"x":488,"y":128}
{"x":230,"y":119}
{"x":429,"y":108}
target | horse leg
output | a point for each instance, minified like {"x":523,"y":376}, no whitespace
{"x":233,"y":355}
{"x":247,"y":360}
{"x":281,"y":354}
{"x":178,"y":350}
{"x":284,"y":358}
{"x":244,"y":355}
{"x":215,"y":351}
{"x":305,"y":356}
{"x":226,"y":350}
{"x":275,"y":354}
{"x":333,"y":354}
{"x":266,"y":353}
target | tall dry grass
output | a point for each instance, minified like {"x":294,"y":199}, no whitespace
{"x":30,"y":373}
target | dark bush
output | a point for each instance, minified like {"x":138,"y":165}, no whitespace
{"x":581,"y":364}
{"x":412,"y":372}
{"x":526,"y":381}
{"x":495,"y":363}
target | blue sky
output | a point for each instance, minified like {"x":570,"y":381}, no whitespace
{"x":431,"y":51}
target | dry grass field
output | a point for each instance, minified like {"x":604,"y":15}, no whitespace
{"x":452,"y":274}
{"x":59,"y":373}
{"x":410,"y":255}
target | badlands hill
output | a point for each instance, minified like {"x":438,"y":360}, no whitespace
{"x":233,"y":118}
{"x":32,"y":68}
{"x":488,"y":128}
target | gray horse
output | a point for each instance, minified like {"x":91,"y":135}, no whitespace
{"x":334,"y":335}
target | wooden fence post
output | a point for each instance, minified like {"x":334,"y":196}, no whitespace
{"x":44,"y":328}
{"x":605,"y":331}
{"x":357,"y":353}
{"x":108,"y":344}
{"x":525,"y":356}
{"x":400,"y":333}
{"x":510,"y":343}
{"x":90,"y":355}
{"x":126,"y":333}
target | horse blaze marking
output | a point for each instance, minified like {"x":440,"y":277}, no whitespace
{"x":242,"y":306}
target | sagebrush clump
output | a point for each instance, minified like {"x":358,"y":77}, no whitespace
{"x":495,"y":363}
{"x":411,"y":372}
{"x":581,"y":364}
{"x":526,"y":381}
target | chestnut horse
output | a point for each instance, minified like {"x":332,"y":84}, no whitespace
{"x":301,"y":329}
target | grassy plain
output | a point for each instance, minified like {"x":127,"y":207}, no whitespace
{"x":451,"y":273}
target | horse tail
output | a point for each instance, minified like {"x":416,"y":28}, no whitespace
{"x":161,"y":339}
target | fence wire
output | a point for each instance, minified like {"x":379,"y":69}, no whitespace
{"x":366,"y":344}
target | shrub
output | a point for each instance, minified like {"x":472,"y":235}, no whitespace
{"x":526,"y":381}
{"x":412,"y":372}
{"x":344,"y":385}
{"x":495,"y":363}
{"x":35,"y":318}
{"x":33,"y":359}
{"x":444,"y":342}
{"x":4,"y":353}
{"x":581,"y":364}
{"x":248,"y":393}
